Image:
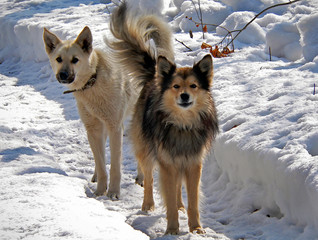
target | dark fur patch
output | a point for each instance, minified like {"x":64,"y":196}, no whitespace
{"x":86,"y":46}
{"x":203,"y":78}
{"x":51,"y":46}
{"x":166,"y":71}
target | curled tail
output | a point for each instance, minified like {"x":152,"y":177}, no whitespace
{"x":139,"y":40}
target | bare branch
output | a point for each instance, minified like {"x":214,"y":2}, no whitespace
{"x":229,"y":33}
{"x":199,"y":14}
{"x":256,"y":16}
{"x":183,"y":44}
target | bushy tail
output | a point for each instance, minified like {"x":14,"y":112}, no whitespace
{"x":139,"y":40}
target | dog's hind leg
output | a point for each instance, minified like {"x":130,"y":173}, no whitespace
{"x":179,"y":195}
{"x":148,"y":203}
{"x":145,"y":171}
{"x":193,"y":174}
{"x":140,"y":176}
{"x":115,"y":141}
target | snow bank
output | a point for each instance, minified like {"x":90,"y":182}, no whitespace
{"x":266,"y":182}
{"x":253,"y":34}
{"x":23,"y":34}
{"x":266,"y":146}
{"x":255,"y":6}
{"x":308,"y":26}
{"x":212,"y":12}
{"x":283,"y":39}
{"x":271,"y":18}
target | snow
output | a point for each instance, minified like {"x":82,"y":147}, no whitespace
{"x":284,"y":37}
{"x":260,"y":180}
{"x":214,"y":12}
{"x":237,"y":20}
{"x":308,"y":27}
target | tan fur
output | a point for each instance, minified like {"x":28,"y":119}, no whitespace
{"x":102,"y":107}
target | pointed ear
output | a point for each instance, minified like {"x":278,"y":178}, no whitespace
{"x":204,"y":70}
{"x":164,"y":67}
{"x":205,"y":65}
{"x":165,"y":71}
{"x":85,"y":40}
{"x":50,"y":41}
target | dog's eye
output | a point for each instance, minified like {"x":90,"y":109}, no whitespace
{"x":193,"y":86}
{"x":59,"y":59}
{"x":74,"y":60}
{"x":176,"y":86}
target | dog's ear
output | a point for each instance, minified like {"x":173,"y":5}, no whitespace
{"x":164,"y":67}
{"x":85,"y":40}
{"x":165,"y":71}
{"x":204,"y":70}
{"x":50,"y":41}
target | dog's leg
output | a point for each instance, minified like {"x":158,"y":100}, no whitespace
{"x":115,"y":142}
{"x":169,"y":180}
{"x":148,"y":203}
{"x":96,"y":134}
{"x":179,"y":195}
{"x":193,"y":174}
{"x":140,"y":176}
{"x":145,"y":174}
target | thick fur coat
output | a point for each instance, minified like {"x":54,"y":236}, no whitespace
{"x":175,"y":119}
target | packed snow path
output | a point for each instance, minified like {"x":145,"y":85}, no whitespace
{"x":260,"y":181}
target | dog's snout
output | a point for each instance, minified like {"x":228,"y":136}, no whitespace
{"x":185,"y":97}
{"x":63,"y":75}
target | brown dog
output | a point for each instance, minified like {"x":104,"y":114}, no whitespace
{"x":175,"y":119}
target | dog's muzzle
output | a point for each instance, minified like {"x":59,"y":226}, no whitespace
{"x":64,"y":77}
{"x":185,"y":100}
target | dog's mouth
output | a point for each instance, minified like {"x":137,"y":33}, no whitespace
{"x":185,"y":104}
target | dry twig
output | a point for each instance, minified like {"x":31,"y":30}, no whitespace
{"x":256,"y":16}
{"x":229,"y":33}
{"x":184,"y":45}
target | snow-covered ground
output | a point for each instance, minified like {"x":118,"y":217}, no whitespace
{"x":260,"y":181}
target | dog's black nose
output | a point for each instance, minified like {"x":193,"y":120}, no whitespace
{"x":63,"y":76}
{"x":185,"y":97}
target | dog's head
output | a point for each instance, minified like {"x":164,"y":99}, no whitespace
{"x":185,"y":89}
{"x":69,"y":58}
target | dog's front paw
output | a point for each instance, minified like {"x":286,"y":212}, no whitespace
{"x":148,"y":207}
{"x":100,"y":192}
{"x":198,"y":230}
{"x":101,"y":187}
{"x":113,"y":195}
{"x":172,"y":231}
